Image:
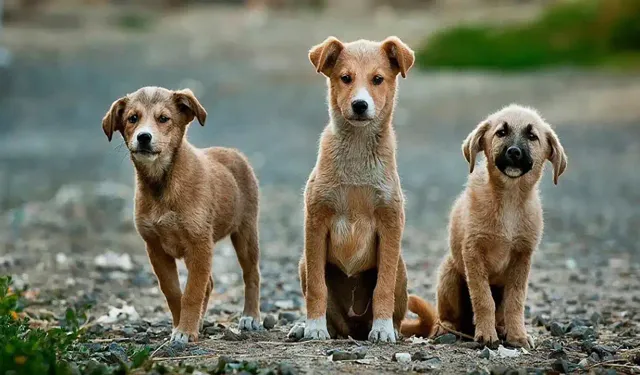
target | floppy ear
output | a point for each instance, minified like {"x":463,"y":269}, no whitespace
{"x":112,"y":121}
{"x":324,"y":55}
{"x":400,"y":55}
{"x":188,"y":104}
{"x":556,"y":156}
{"x":474,"y":144}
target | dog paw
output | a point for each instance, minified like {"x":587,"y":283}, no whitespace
{"x":297,"y":331}
{"x":502,"y":331}
{"x":520,"y":341}
{"x":443,"y":327}
{"x":487,"y":336}
{"x":382,"y":331}
{"x":316,"y":329}
{"x":179,"y":336}
{"x":249,"y":323}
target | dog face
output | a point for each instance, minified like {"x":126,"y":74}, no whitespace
{"x":153,"y":121}
{"x":516,"y":141}
{"x":362,"y":76}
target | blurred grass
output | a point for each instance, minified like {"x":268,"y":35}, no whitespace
{"x":578,"y":32}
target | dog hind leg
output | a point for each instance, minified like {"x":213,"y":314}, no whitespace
{"x":245,"y":242}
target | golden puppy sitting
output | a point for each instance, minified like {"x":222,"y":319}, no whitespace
{"x":496,"y":224}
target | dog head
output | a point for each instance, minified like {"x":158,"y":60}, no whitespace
{"x":516,"y":141}
{"x":153,"y":121}
{"x":361,"y":76}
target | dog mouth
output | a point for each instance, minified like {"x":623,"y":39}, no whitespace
{"x":359,"y":120}
{"x":145,"y":153}
{"x":514,"y":168}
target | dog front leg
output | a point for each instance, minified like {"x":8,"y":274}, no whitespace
{"x":391,"y":222}
{"x":198,"y":261}
{"x":315,"y":252}
{"x":515,"y":294}
{"x":484,"y":308}
{"x":164,"y":266}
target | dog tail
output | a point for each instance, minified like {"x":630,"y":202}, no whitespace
{"x":427,"y":318}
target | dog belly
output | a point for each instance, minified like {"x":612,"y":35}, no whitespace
{"x":352,"y":245}
{"x":350,"y":309}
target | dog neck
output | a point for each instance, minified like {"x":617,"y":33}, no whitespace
{"x":156,"y":177}
{"x":359,"y":155}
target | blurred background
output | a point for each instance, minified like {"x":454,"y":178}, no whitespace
{"x":66,"y":192}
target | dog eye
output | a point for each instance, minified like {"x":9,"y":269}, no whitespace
{"x":377,"y":80}
{"x":133,"y":119}
{"x":532,"y":137}
{"x":346,"y":78}
{"x":501,"y":133}
{"x":163,"y":119}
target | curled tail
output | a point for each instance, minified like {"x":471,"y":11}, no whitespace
{"x":427,"y":318}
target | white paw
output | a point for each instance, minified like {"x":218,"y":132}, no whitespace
{"x":297,"y":331}
{"x":382,"y":331}
{"x":181,"y":337}
{"x":249,"y":323}
{"x":316,"y":329}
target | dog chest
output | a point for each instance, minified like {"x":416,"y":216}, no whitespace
{"x":353,"y":230}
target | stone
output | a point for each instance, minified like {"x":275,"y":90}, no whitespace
{"x":556,"y":329}
{"x":448,"y":338}
{"x":561,"y":366}
{"x":289,"y":316}
{"x":485,"y":353}
{"x":581,"y":332}
{"x":269,"y":321}
{"x":402,"y":357}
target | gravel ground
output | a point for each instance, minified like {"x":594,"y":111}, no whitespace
{"x":66,"y":194}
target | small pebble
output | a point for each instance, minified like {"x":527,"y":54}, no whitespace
{"x":448,"y":338}
{"x":558,"y":354}
{"x":485,"y":353}
{"x":582,"y":332}
{"x":403,"y":357}
{"x":285,"y":368}
{"x":561,"y":366}
{"x":269,"y":321}
{"x":556,"y":329}
{"x":289,"y":316}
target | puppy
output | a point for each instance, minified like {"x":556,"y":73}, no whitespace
{"x":186,"y":200}
{"x":352,"y":273}
{"x":495,"y":226}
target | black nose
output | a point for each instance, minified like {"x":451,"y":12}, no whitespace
{"x":514,"y":153}
{"x":359,"y":106}
{"x":144,"y":139}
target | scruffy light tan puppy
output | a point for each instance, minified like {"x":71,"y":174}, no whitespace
{"x":496,"y":224}
{"x":186,"y":200}
{"x":352,"y":273}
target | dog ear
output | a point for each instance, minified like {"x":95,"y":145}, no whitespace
{"x":324,"y":55}
{"x":112,"y":121}
{"x":187,"y":103}
{"x":474,"y":144}
{"x":400,"y":55}
{"x":556,"y":156}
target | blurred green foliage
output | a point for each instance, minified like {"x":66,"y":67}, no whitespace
{"x":54,"y":351}
{"x":579,"y":32}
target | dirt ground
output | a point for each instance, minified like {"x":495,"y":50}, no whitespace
{"x":66,"y":193}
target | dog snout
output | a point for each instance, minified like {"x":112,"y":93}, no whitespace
{"x":144,"y":139}
{"x":514,"y":153}
{"x":359,"y":106}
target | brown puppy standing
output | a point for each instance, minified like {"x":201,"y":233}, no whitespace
{"x":352,"y":273}
{"x":186,"y":200}
{"x":496,"y":225}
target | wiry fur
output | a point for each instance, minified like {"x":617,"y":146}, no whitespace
{"x":186,"y":200}
{"x":496,"y":225}
{"x":352,"y":273}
